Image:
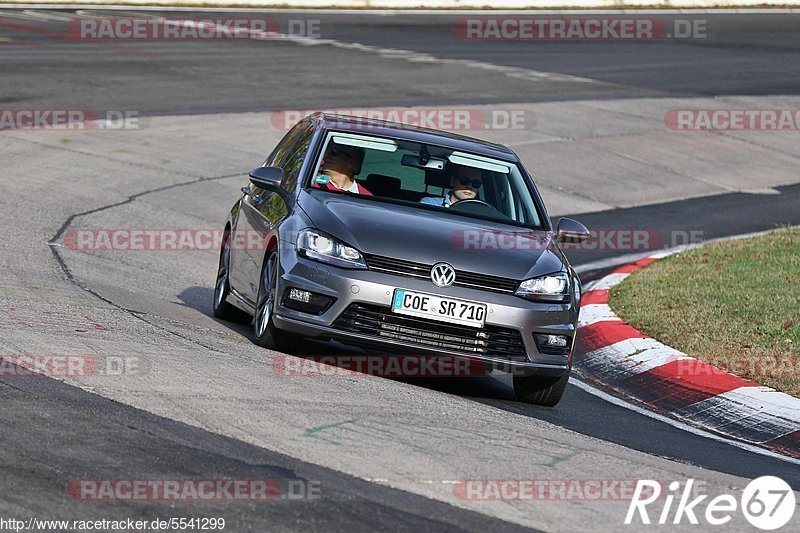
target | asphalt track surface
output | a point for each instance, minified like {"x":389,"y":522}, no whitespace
{"x":54,"y":432}
{"x":740,"y":55}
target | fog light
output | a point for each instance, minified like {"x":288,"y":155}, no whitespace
{"x":552,"y":344}
{"x":299,"y":296}
{"x":554,"y":340}
{"x":306,"y":301}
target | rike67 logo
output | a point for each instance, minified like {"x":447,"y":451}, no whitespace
{"x":766,"y":502}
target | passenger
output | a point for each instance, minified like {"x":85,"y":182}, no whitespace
{"x":464,"y":185}
{"x":339,"y":166}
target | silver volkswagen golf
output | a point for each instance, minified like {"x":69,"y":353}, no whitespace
{"x":404,"y":239}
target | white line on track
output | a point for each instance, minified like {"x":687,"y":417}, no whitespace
{"x":48,"y":15}
{"x":677,"y":424}
{"x":98,"y":14}
{"x":421,"y":57}
{"x":51,"y":16}
{"x":27,"y":15}
{"x":394,"y":53}
{"x":384,"y":12}
{"x":620,"y":260}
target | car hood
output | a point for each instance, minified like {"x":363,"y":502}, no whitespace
{"x":426,"y":236}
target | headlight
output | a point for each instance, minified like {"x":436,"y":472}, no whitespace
{"x":314,"y":244}
{"x":549,"y":288}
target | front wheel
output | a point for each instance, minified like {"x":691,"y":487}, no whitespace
{"x":264,"y":331}
{"x":539,"y":390}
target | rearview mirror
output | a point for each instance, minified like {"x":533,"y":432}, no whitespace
{"x":268,"y":178}
{"x":433,"y":163}
{"x":571,"y":231}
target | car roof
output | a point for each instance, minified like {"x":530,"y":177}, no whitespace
{"x":418,"y":134}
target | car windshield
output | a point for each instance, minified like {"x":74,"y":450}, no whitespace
{"x":425,"y":176}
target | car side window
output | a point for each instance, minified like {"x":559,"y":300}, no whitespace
{"x":278,"y":156}
{"x":293,"y":161}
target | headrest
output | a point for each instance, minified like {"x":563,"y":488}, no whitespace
{"x":382,"y":185}
{"x":435,"y":178}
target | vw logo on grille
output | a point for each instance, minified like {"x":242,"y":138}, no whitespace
{"x":443,"y":275}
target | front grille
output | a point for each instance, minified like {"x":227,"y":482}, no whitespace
{"x":379,"y":321}
{"x":471,"y":280}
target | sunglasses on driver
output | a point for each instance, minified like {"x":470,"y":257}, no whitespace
{"x":475,"y":184}
{"x":334,"y":152}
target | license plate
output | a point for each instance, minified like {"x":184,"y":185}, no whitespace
{"x":451,"y":310}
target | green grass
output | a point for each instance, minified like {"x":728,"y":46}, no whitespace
{"x":734,"y":304}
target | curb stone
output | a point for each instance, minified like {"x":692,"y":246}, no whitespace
{"x":618,"y":356}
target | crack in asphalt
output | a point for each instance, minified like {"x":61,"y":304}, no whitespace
{"x":54,"y":245}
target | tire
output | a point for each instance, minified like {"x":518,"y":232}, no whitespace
{"x":265,"y":333}
{"x":538,"y":390}
{"x":220,"y":306}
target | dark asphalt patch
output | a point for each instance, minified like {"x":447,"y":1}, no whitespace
{"x":54,"y":433}
{"x":705,"y":218}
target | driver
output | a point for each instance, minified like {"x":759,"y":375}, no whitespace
{"x":464,"y":185}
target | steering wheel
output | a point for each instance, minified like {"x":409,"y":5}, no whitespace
{"x":479,"y":207}
{"x":474,"y":201}
{"x":474,"y":205}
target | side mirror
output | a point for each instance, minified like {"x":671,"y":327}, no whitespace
{"x":571,"y":231}
{"x":268,"y":178}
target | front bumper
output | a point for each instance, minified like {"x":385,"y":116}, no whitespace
{"x":349,"y":286}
